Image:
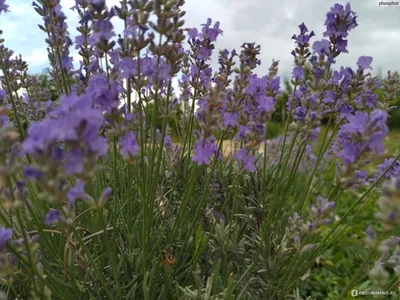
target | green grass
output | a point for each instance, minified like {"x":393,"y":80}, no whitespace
{"x":392,"y":142}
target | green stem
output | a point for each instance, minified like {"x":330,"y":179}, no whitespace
{"x":322,"y":151}
{"x":10,"y":94}
{"x":115,"y":181}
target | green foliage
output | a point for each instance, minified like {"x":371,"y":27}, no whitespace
{"x":281,"y":102}
{"x":274,"y":129}
{"x":172,"y":119}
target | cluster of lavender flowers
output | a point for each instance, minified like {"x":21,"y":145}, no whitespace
{"x":70,"y":145}
{"x":298,"y":230}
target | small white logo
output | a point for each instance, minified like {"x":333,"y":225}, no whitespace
{"x":354,"y":293}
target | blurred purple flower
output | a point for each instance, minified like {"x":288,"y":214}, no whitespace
{"x":230,"y":118}
{"x":52,"y":217}
{"x":75,"y":192}
{"x":3,"y":6}
{"x":392,"y":172}
{"x":361,"y":134}
{"x":303,"y":38}
{"x":204,"y":149}
{"x":105,"y":196}
{"x":106,"y":193}
{"x":339,"y":21}
{"x":211,"y":33}
{"x":127,"y":66}
{"x":74,"y":161}
{"x":102,"y":31}
{"x":32,"y":173}
{"x":103,"y":92}
{"x":246,"y":160}
{"x":97,"y":4}
{"x":298,"y":73}
{"x":266,"y":103}
{"x":193,"y":33}
{"x":128,"y":144}
{"x":322,"y":47}
{"x":5,"y":236}
{"x":364,"y":62}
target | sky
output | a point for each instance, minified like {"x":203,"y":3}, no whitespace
{"x":270,"y":24}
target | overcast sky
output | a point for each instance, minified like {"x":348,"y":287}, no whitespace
{"x":268,"y":23}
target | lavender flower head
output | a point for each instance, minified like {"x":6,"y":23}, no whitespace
{"x":364,"y":62}
{"x":204,"y":149}
{"x":3,"y":6}
{"x":339,"y":21}
{"x":245,"y":160}
{"x":301,"y":52}
{"x":5,"y":236}
{"x":128,"y":144}
{"x":76,"y":121}
{"x":392,"y":172}
{"x":320,"y":212}
{"x":76,"y":192}
{"x":52,"y":217}
{"x":364,"y":133}
{"x":296,"y":230}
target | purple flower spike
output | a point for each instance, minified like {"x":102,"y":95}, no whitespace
{"x":74,"y":162}
{"x":230,"y":118}
{"x":339,"y":21}
{"x":392,"y":172}
{"x":211,"y":33}
{"x":298,"y":73}
{"x":302,"y":39}
{"x":363,"y":133}
{"x":105,"y":196}
{"x":32,"y":173}
{"x":76,"y":192}
{"x":246,"y":160}
{"x":3,"y":6}
{"x":128,"y":144}
{"x":52,"y":217}
{"x":204,"y":149}
{"x":103,"y":92}
{"x":106,"y":193}
{"x":266,"y":103}
{"x":364,"y":62}
{"x":5,"y":236}
{"x":98,"y":4}
{"x":321,"y":47}
{"x":193,"y":33}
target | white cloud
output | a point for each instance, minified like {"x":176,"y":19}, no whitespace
{"x":38,"y":57}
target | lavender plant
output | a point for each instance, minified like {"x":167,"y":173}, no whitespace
{"x":100,"y":201}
